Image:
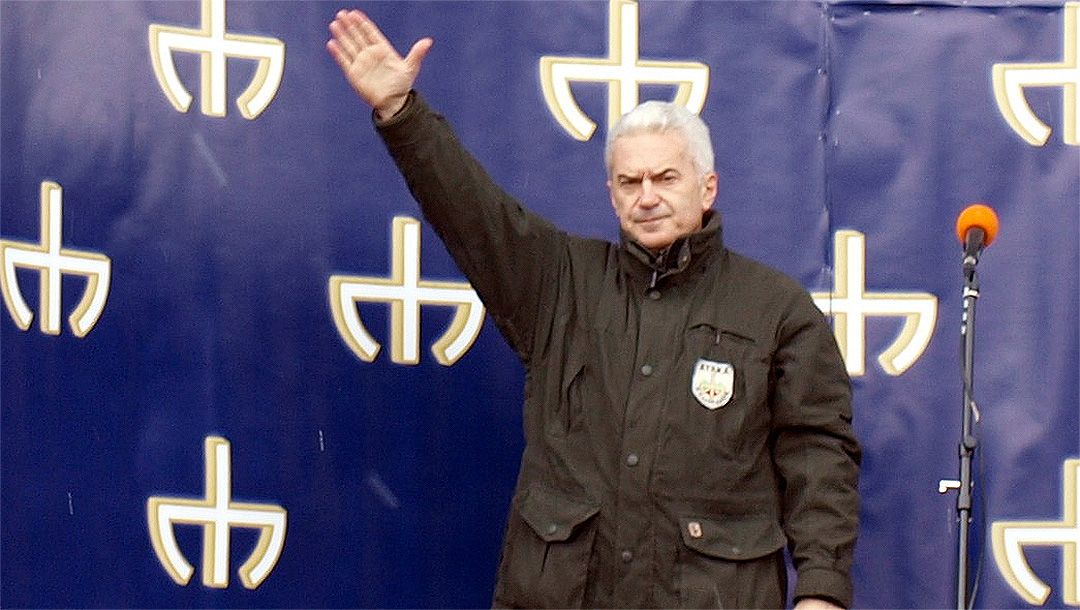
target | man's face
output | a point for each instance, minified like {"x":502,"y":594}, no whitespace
{"x":657,"y":192}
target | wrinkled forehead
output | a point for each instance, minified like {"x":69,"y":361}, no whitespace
{"x":648,"y":153}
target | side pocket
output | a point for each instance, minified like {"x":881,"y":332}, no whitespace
{"x":546,"y":552}
{"x":731,"y":563}
{"x":571,"y":405}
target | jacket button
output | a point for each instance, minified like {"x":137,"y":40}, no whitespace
{"x":694,"y":529}
{"x":632,"y":459}
{"x":551,"y":529}
{"x":627,"y":556}
{"x":654,"y":295}
{"x":646,"y":369}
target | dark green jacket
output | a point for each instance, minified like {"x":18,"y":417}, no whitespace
{"x":633,"y":493}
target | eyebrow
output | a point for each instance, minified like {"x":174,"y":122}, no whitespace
{"x":653,"y":175}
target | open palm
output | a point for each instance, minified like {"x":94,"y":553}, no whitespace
{"x":378,"y":74}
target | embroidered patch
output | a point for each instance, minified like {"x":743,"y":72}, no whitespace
{"x":713,"y":383}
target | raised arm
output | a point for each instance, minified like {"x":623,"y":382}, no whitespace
{"x":380,"y":76}
{"x":506,"y":252}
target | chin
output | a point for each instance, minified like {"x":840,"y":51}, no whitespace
{"x":655,"y":243}
{"x":653,"y":240}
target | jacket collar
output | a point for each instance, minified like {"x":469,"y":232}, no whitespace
{"x":677,"y":257}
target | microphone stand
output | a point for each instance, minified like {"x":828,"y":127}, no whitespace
{"x":968,"y":441}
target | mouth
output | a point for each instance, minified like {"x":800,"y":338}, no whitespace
{"x":651,"y":222}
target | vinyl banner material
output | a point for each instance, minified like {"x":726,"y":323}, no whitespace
{"x":239,"y":370}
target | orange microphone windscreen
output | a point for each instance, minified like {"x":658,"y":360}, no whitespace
{"x":977,"y":215}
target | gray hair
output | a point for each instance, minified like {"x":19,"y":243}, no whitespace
{"x":657,"y":117}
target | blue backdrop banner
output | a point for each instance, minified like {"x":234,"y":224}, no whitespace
{"x":223,"y":382}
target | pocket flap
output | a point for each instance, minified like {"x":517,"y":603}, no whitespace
{"x":554,"y":516}
{"x":738,"y":538}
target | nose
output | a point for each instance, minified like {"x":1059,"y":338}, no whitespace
{"x":649,"y":195}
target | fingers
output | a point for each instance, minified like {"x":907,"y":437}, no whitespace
{"x":340,"y":56}
{"x":356,"y":32}
{"x":366,"y":29}
{"x":348,"y":42}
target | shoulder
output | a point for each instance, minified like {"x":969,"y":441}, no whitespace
{"x":747,"y":275}
{"x":754,"y":295}
{"x":588,"y":261}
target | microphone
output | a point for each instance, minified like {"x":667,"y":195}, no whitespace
{"x":976,"y":227}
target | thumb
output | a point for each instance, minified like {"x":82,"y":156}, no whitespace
{"x":418,"y":52}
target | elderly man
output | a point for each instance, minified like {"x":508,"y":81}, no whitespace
{"x":687,"y":412}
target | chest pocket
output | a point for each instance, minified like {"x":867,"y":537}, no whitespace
{"x":709,"y":443}
{"x":723,"y":368}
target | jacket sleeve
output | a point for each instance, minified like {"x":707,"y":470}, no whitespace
{"x":816,"y":454}
{"x":507,"y":253}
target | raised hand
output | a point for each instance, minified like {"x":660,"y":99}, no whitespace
{"x":380,"y":76}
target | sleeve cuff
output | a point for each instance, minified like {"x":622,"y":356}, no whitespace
{"x":402,"y":114}
{"x":824,"y":584}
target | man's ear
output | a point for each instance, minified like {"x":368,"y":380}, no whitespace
{"x":710,"y":187}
